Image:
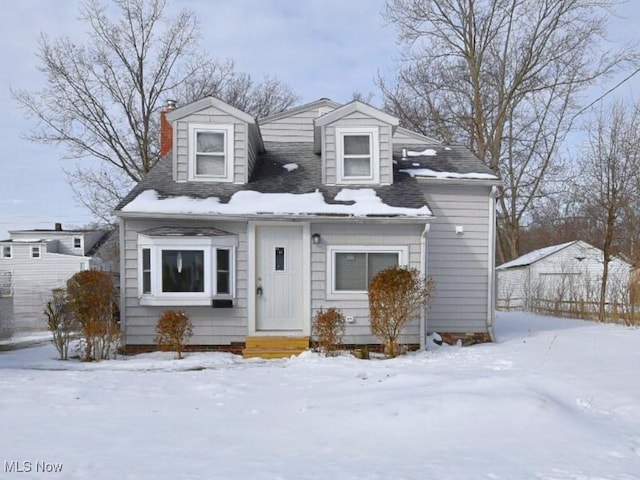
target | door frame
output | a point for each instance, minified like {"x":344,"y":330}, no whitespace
{"x":251,"y":274}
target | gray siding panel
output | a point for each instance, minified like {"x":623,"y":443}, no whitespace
{"x":294,"y":128}
{"x":358,"y":119}
{"x":211,"y":116}
{"x":211,"y":326}
{"x":458,"y":264}
{"x":359,"y":235}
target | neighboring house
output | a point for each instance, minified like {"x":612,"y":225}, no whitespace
{"x":251,"y":227}
{"x":35,"y":262}
{"x":559,"y":277}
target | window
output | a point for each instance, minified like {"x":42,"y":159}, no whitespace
{"x":351,"y":269}
{"x":146,"y":270}
{"x":182,"y":271}
{"x":354,"y":271}
{"x":280,"y":259}
{"x":36,"y":252}
{"x":186,"y":271}
{"x":357,"y":155}
{"x":223,"y":271}
{"x":77,"y":242}
{"x":6,"y":251}
{"x":211,"y":152}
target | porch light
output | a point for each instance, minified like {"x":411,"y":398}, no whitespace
{"x":315,"y":238}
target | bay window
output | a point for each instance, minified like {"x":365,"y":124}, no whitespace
{"x":186,"y":270}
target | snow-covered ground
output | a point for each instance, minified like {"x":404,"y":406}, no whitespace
{"x":553,"y":399}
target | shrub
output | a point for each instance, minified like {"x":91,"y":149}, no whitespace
{"x":395,"y":294}
{"x":328,"y":330}
{"x":61,"y":322}
{"x":173,"y":331}
{"x":91,"y":296}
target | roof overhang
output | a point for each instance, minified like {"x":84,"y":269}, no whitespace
{"x":421,"y":220}
{"x":356,"y":106}
{"x":460,"y":181}
{"x":207,"y":102}
{"x":322,"y":103}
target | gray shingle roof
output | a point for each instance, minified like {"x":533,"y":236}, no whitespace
{"x":270,"y":176}
{"x":448,"y":158}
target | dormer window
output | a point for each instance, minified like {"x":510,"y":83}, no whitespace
{"x":358,"y":157}
{"x":211,"y":152}
{"x":77,"y":242}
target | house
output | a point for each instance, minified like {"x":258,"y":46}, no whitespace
{"x":253,"y":226}
{"x":33,"y":263}
{"x":560,"y":278}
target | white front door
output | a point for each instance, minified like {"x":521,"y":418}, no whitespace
{"x":279,"y":279}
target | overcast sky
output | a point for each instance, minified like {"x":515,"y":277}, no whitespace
{"x":321,"y":48}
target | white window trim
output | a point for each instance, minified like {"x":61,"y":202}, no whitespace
{"x":31,"y":250}
{"x":228,"y":131}
{"x":232,"y":273}
{"x":81,"y":243}
{"x":2,"y":250}
{"x":208,"y":245}
{"x":373,"y":132}
{"x":332,"y":293}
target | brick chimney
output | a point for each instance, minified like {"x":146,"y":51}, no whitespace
{"x":166,"y":130}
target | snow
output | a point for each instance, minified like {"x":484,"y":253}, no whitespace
{"x":427,"y":152}
{"x":290,"y":167}
{"x":247,"y":202}
{"x":553,"y":399}
{"x":426,"y":172}
{"x":534,"y":256}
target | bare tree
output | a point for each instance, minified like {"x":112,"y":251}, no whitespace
{"x":505,"y":78}
{"x":102,"y":97}
{"x":608,"y":184}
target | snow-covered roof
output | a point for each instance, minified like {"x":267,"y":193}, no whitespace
{"x":441,"y":162}
{"x":364,"y":202}
{"x":275,"y":174}
{"x":426,"y":172}
{"x":534,"y":256}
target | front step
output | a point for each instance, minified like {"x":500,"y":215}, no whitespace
{"x":274,"y":347}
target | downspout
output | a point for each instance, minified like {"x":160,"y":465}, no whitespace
{"x":423,"y":267}
{"x":491,"y":265}
{"x":123,"y":279}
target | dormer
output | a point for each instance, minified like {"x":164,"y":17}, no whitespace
{"x":355,"y":144}
{"x":213,"y":142}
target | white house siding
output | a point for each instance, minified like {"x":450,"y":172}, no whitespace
{"x":563,"y":275}
{"x":294,"y":128}
{"x":211,"y":326}
{"x":33,"y":280}
{"x":212,"y":116}
{"x":359,"y":234}
{"x":357,"y":119}
{"x":63,"y":239}
{"x":458,"y":263}
{"x":511,"y":288}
